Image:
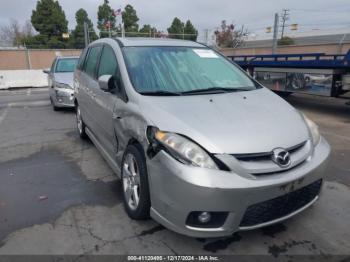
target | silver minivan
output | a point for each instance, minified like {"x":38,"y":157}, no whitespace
{"x":200,"y":146}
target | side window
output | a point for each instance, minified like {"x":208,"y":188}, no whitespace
{"x":92,"y":60}
{"x":108,"y":62}
{"x":82,"y":59}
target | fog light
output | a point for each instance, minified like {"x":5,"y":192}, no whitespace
{"x":204,"y":217}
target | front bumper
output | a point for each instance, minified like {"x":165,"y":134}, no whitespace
{"x":63,"y":97}
{"x":178,"y":189}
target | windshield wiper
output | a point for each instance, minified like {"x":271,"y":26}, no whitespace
{"x":214,"y":90}
{"x":160,"y":93}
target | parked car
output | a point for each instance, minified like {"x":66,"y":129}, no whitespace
{"x":200,"y":146}
{"x":60,"y":79}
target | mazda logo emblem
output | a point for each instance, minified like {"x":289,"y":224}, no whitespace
{"x":281,"y":157}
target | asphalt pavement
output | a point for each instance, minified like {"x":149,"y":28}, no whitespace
{"x":58,"y":195}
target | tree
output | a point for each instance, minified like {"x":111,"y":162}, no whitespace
{"x":190,"y":31}
{"x":14,"y":33}
{"x":77,"y":38}
{"x":106,"y":19}
{"x":49,"y":20}
{"x":229,"y":36}
{"x":27,"y":29}
{"x":146,"y":31}
{"x":130,"y":19}
{"x":176,"y":29}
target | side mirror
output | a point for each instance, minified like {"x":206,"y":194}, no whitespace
{"x":46,"y":71}
{"x":107,"y":83}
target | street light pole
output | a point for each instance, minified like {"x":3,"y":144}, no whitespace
{"x":275,"y":34}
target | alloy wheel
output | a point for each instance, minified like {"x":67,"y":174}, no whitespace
{"x":131,"y":181}
{"x":79,"y":121}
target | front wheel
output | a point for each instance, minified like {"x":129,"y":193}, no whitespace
{"x":55,"y":108}
{"x":135,"y":183}
{"x":283,"y":93}
{"x":80,"y":123}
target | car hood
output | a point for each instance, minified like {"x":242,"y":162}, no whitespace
{"x":231,"y":123}
{"x":64,"y":78}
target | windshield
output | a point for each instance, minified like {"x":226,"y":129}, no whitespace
{"x":66,"y":65}
{"x":182,"y":70}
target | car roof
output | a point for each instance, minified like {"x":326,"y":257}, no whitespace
{"x":143,"y":41}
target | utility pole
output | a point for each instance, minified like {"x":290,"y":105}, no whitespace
{"x":86,"y":34}
{"x":29,"y":64}
{"x":284,"y":17}
{"x":123,"y":30}
{"x":275,"y":34}
{"x":206,"y":33}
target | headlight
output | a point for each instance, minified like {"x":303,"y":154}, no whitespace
{"x":184,"y":150}
{"x":61,"y":93}
{"x":62,"y":85}
{"x":313,"y":130}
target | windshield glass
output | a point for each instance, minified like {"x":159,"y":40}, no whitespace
{"x":182,"y":70}
{"x":66,"y":65}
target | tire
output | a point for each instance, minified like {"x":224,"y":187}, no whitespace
{"x":307,"y":80}
{"x":135,"y":183}
{"x":80,"y":123}
{"x":55,"y":108}
{"x":283,"y":93}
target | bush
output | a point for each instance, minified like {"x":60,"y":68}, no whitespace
{"x":285,"y":41}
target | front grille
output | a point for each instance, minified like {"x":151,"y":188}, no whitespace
{"x":259,"y":164}
{"x":281,"y":206}
{"x":266,"y":155}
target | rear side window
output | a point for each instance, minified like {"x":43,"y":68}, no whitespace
{"x":92,"y":60}
{"x":108,"y":62}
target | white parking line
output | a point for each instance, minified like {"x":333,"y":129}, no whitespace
{"x":3,"y":115}
{"x":28,"y":104}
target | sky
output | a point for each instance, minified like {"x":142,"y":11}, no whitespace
{"x":256,"y":15}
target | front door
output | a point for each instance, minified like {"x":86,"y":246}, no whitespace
{"x":106,"y":101}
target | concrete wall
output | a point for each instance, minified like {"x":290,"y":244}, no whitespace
{"x":321,"y":48}
{"x":22,"y":78}
{"x":31,"y":58}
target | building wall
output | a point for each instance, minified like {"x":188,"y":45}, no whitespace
{"x":321,"y":48}
{"x":31,"y":58}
